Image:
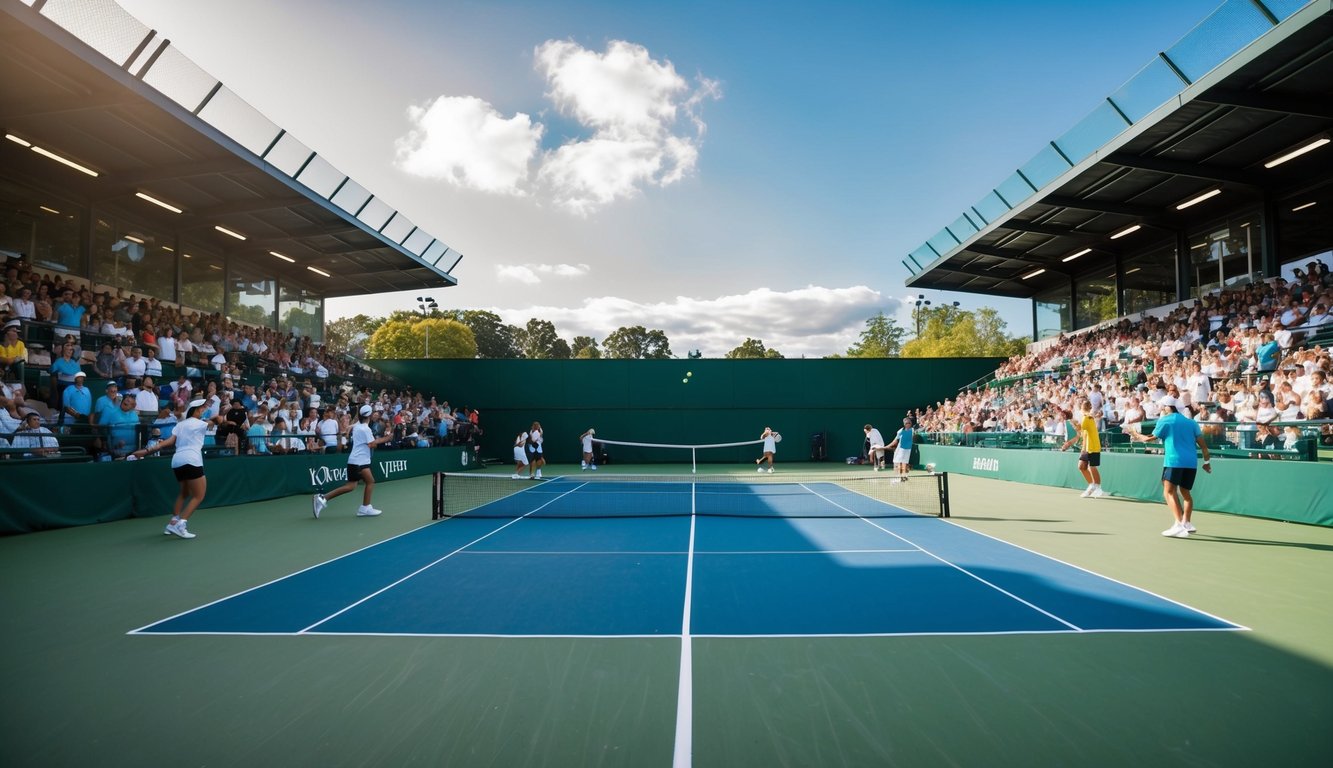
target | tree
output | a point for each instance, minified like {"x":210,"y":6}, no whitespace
{"x":585,"y":348}
{"x":637,"y":343}
{"x":752,"y":349}
{"x":538,"y":341}
{"x":348,"y":335}
{"x":495,"y":339}
{"x":407,"y":339}
{"x":881,"y":338}
{"x":952,"y":332}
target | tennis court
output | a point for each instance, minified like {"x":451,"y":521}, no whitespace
{"x":775,"y":628}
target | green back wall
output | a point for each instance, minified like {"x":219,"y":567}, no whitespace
{"x":724,"y":401}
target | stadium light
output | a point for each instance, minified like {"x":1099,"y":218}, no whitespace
{"x":1214,"y":192}
{"x":1073,"y":256}
{"x":1033,"y":273}
{"x":287,"y":259}
{"x":1309,"y":146}
{"x":226,"y":231}
{"x":64,"y":161}
{"x":17,"y":140}
{"x":427,"y":303}
{"x":319,"y":271}
{"x":1303,"y":207}
{"x":157,"y":202}
{"x":1127,"y":231}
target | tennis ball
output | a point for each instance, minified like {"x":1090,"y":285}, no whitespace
{"x":684,"y":381}
{"x":689,"y":373}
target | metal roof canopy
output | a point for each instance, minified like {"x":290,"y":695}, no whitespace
{"x":1217,"y":133}
{"x":221,"y":162}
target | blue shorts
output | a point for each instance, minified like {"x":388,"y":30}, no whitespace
{"x":1181,"y":477}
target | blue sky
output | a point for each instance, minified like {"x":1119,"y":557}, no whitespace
{"x":718,"y":170}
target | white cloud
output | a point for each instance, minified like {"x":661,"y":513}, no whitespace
{"x":465,"y":141}
{"x":643,"y":120}
{"x":634,"y":105}
{"x":812,"y":321}
{"x":531,"y":273}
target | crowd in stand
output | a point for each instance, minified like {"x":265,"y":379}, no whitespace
{"x":275,"y":390}
{"x":1239,"y":359}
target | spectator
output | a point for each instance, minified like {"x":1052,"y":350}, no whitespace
{"x":13,"y":353}
{"x":122,"y":427}
{"x":35,"y":439}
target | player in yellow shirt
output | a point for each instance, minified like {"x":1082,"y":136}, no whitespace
{"x":1090,"y":454}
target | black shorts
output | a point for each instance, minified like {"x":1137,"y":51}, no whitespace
{"x":354,"y":471}
{"x":188,"y":472}
{"x":1180,"y":476}
{"x":1093,"y":459}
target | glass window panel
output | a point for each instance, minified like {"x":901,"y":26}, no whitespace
{"x":301,"y":313}
{"x":1148,"y":279}
{"x":130,"y":256}
{"x":1152,"y":87}
{"x":1226,"y":254}
{"x":321,"y":177}
{"x":351,"y":197}
{"x":201,"y":278}
{"x":1092,"y":133}
{"x":963,"y":228}
{"x":102,"y":24}
{"x":417,"y":242}
{"x":1045,"y":167}
{"x":1094,"y":300}
{"x":434,"y":253}
{"x":451,"y":257}
{"x":943,"y":242}
{"x":1014,"y":190}
{"x":1283,"y":9}
{"x":375,"y":214}
{"x":991,"y":207}
{"x":1054,"y":315}
{"x":924,"y":256}
{"x":180,"y":79}
{"x":288,"y":155}
{"x":398,"y":228}
{"x":251,"y":295}
{"x":42,"y":227}
{"x":1232,"y":26}
{"x":243,"y":123}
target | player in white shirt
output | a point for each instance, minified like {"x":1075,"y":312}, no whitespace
{"x":770,"y":439}
{"x":520,"y":455}
{"x":358,"y":467}
{"x":586,"y":439}
{"x":187,"y":464}
{"x":875,"y":443}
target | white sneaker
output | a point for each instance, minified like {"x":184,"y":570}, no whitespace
{"x":180,"y":530}
{"x":583,"y":467}
{"x":1086,"y":492}
{"x":539,"y":474}
{"x":759,"y":469}
{"x":594,"y":467}
{"x":1097,"y":492}
{"x":365,"y":511}
{"x":1176,"y":531}
{"x":167,"y":531}
{"x":515,"y":476}
{"x":1188,"y":526}
{"x":770,"y":470}
{"x":318,"y":504}
{"x":876,"y":469}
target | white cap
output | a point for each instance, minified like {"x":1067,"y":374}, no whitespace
{"x":1169,"y":400}
{"x":592,"y":431}
{"x":366,"y":410}
{"x":80,"y":373}
{"x":196,"y":403}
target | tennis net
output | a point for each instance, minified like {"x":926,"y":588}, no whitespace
{"x":791,"y":494}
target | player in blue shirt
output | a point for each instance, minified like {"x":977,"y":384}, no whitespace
{"x":1179,"y":436}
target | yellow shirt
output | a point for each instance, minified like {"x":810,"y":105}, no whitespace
{"x":1088,"y":427}
{"x":18,"y":351}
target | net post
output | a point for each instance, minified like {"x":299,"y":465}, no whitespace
{"x":694,"y":460}
{"x":437,"y":497}
{"x":943,"y":484}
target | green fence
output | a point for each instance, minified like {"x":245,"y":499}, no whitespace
{"x":689,"y":401}
{"x":1296,"y":491}
{"x":36,"y":496}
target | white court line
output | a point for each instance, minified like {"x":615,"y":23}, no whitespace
{"x":684,"y":751}
{"x":960,"y":568}
{"x":779,"y":636}
{"x":697,"y":553}
{"x":432,"y":564}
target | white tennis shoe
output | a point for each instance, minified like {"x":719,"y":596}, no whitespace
{"x":1176,"y":531}
{"x":1097,"y":492}
{"x":366,"y":510}
{"x":318,"y":504}
{"x":180,"y":530}
{"x":1187,"y":525}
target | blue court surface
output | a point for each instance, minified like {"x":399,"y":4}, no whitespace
{"x":860,"y":571}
